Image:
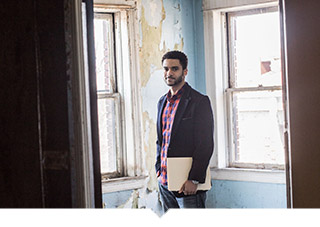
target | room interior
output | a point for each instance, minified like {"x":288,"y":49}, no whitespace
{"x":50,"y":156}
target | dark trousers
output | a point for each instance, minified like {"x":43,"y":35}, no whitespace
{"x":169,"y":200}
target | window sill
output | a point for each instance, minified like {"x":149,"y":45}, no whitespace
{"x":249,"y":175}
{"x":122,"y":184}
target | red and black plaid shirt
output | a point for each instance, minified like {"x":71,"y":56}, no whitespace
{"x":167,"y":122}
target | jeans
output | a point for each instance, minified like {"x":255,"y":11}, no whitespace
{"x":169,"y":200}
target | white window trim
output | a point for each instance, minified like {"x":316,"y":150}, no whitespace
{"x":129,"y":82}
{"x":249,"y":175}
{"x":216,"y":83}
{"x":123,"y":184}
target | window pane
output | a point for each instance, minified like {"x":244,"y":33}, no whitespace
{"x":259,"y":127}
{"x":103,"y":35}
{"x":107,"y":133}
{"x":255,"y":43}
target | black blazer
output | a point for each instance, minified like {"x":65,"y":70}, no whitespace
{"x":192,"y":132}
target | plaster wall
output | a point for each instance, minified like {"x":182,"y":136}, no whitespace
{"x":223,"y":194}
{"x":170,"y":28}
{"x":164,"y":25}
{"x":242,"y":194}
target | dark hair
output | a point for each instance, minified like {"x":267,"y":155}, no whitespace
{"x":176,"y":54}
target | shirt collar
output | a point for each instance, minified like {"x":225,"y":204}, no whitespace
{"x":178,"y":95}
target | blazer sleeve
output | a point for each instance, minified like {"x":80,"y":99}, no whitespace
{"x":204,"y":142}
{"x":158,"y":142}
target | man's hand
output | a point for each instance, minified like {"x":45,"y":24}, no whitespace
{"x":188,"y":188}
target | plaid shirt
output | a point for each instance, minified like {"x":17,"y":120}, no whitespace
{"x":167,"y":122}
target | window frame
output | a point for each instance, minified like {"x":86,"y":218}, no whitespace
{"x":127,"y":68}
{"x":118,"y":132}
{"x":231,"y":89}
{"x":114,"y":95}
{"x":216,"y":68}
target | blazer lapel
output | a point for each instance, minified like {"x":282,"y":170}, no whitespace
{"x":159,"y":121}
{"x":181,"y":109}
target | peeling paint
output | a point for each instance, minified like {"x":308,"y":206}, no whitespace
{"x":160,"y":27}
{"x":152,"y":13}
{"x":157,"y":37}
{"x":150,"y":53}
{"x":157,"y":34}
{"x":153,"y":90}
{"x":150,"y":148}
{"x":132,"y":202}
{"x":172,"y":26}
{"x":179,"y":46}
{"x":135,"y":199}
{"x":116,"y":199}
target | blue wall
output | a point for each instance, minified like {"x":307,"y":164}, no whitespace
{"x":193,"y":37}
{"x":116,"y":199}
{"x":187,"y":24}
{"x":223,"y":194}
{"x":199,"y":46}
{"x":239,"y":194}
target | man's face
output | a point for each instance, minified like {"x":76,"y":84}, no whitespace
{"x":173,"y":72}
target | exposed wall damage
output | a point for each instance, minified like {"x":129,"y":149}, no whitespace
{"x":160,"y":30}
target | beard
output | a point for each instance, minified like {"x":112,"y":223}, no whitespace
{"x":176,"y":81}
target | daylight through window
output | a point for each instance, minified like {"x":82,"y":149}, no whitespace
{"x":108,"y":97}
{"x":254,"y":94}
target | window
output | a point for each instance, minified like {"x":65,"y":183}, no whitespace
{"x":254,"y":93}
{"x":109,"y":113}
{"x":119,"y":111}
{"x":243,"y":79}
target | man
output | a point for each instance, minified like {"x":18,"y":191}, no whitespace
{"x":184,"y":129}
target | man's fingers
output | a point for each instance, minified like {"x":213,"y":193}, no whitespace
{"x":188,"y":188}
{"x":189,"y":193}
{"x":181,"y":189}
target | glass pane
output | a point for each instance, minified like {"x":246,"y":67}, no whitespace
{"x":255,"y":43}
{"x":107,"y":132}
{"x":259,"y":127}
{"x":103,"y":34}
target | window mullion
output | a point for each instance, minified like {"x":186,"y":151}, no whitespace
{"x":119,"y":131}
{"x":256,"y":165}
{"x":260,"y":88}
{"x":102,"y":95}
